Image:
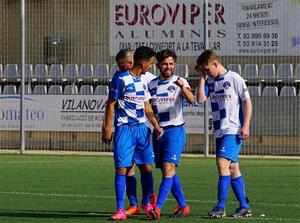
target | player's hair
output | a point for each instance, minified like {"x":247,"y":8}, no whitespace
{"x":160,"y":56}
{"x":143,"y":53}
{"x":206,"y":57}
{"x":122,"y":54}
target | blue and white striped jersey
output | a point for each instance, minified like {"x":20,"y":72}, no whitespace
{"x":148,"y":77}
{"x":226,"y":95}
{"x":167,"y":101}
{"x":130,"y":93}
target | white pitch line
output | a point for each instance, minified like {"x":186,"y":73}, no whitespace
{"x":112,"y":197}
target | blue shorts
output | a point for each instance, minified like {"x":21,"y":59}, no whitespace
{"x":229,"y":147}
{"x":132,"y":144}
{"x":170,"y":146}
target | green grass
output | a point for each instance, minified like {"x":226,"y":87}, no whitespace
{"x":73,"y":188}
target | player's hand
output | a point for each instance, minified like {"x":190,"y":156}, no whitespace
{"x":200,"y":71}
{"x":106,"y":135}
{"x":179,"y":82}
{"x":244,"y":132}
{"x":159,"y":132}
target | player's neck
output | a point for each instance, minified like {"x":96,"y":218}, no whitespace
{"x":135,"y":72}
{"x":162,"y":77}
{"x":222,"y":71}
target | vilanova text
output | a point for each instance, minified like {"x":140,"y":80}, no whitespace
{"x":83,"y":105}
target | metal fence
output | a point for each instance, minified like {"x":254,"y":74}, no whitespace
{"x":70,"y":47}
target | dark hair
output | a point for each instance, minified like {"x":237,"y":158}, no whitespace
{"x":160,"y":56}
{"x":122,"y":54}
{"x":206,"y":57}
{"x":143,"y":53}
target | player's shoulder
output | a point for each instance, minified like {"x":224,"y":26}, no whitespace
{"x":148,"y":77}
{"x":234,"y":75}
{"x":182,"y":78}
{"x":120,"y":74}
{"x":154,"y":81}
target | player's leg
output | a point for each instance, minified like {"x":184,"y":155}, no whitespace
{"x":120,"y":185}
{"x":172,"y":143}
{"x":223,"y":187}
{"x":224,"y":148}
{"x":123,"y":155}
{"x":238,"y":187}
{"x":131,"y":185}
{"x":183,"y":208}
{"x":146,"y":182}
{"x":144,"y":157}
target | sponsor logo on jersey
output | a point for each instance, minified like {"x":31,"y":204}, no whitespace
{"x":160,"y":100}
{"x":226,"y":84}
{"x":171,"y":88}
{"x":218,"y":97}
{"x":134,"y":99}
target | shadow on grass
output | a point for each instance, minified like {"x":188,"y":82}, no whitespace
{"x":53,"y":214}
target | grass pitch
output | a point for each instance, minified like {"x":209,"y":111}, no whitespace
{"x":73,"y":188}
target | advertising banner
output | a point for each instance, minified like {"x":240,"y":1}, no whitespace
{"x":235,"y":27}
{"x":73,"y":113}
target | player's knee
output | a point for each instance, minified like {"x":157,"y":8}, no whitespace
{"x":121,"y":171}
{"x":130,"y":171}
{"x":168,"y":169}
{"x":234,"y":169}
{"x":145,"y":168}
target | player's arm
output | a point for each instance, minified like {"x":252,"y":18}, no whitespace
{"x":107,"y":122}
{"x":151,"y":117}
{"x":115,"y":89}
{"x":186,"y":90}
{"x":247,"y":111}
{"x":200,"y":92}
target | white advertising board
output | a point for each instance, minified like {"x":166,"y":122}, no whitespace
{"x":236,"y":27}
{"x":74,"y":113}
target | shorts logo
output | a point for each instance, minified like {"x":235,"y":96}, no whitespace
{"x":171,"y":88}
{"x":174,"y":157}
{"x":226,"y":84}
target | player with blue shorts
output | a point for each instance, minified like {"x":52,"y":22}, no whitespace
{"x":231,"y":110}
{"x":124,"y":59}
{"x":127,"y":99}
{"x":167,"y":94}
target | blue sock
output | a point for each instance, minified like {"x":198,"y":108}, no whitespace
{"x":120,"y":185}
{"x":177,"y":191}
{"x":223,"y":188}
{"x":147,"y":187}
{"x":238,"y":187}
{"x":164,"y":191}
{"x":131,"y":190}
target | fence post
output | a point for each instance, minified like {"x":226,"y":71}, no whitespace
{"x":22,"y":133}
{"x":206,"y":127}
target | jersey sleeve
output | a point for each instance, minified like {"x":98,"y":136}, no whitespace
{"x":242,"y":89}
{"x":116,"y":86}
{"x":147,"y":94}
{"x":186,"y":84}
{"x":206,"y":89}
